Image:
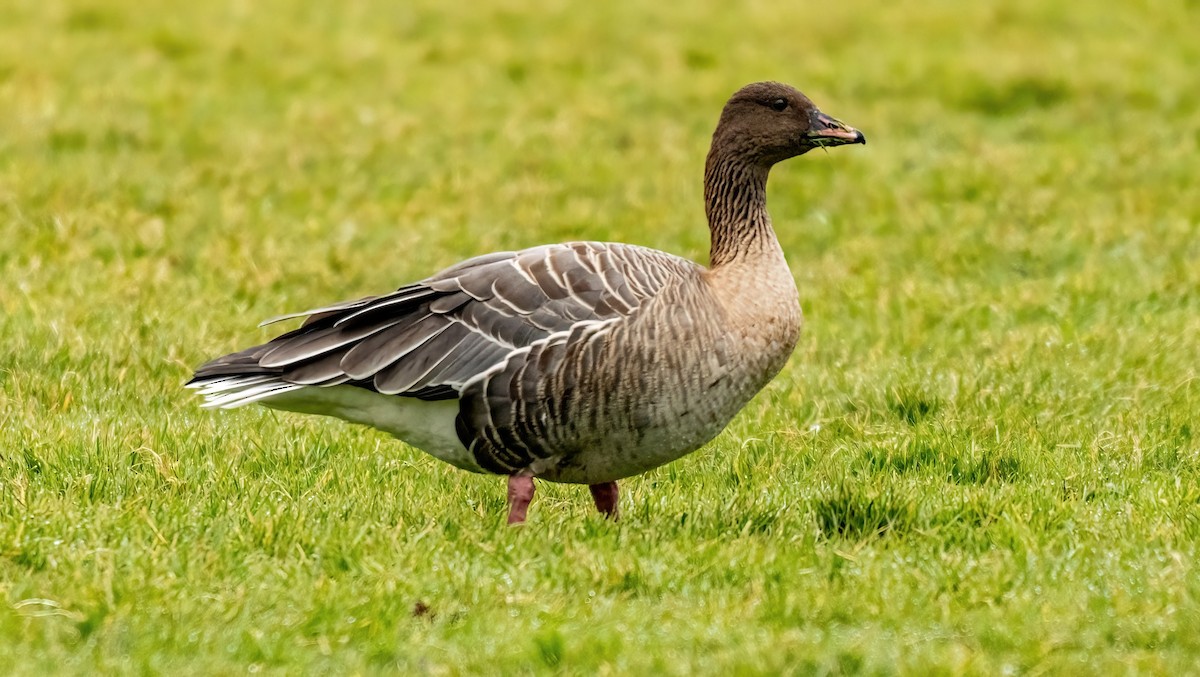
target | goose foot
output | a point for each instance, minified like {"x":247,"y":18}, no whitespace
{"x":605,"y":496}
{"x":520,"y":493}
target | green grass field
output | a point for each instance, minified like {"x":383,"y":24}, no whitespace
{"x":984,"y":457}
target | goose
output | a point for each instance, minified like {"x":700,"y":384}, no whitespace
{"x":583,"y":362}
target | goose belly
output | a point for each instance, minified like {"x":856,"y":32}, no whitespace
{"x":670,"y":413}
{"x":426,"y":425}
{"x":624,"y":454}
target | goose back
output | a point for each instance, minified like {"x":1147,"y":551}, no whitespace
{"x":428,"y":339}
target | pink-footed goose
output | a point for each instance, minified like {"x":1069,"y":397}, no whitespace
{"x":584,"y":362}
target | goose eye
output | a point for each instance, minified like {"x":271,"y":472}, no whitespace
{"x":778,"y":104}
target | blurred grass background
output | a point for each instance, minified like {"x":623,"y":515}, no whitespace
{"x":982,"y":458}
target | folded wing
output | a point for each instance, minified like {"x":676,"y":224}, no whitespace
{"x":429,"y":338}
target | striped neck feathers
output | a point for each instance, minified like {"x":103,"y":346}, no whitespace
{"x":735,"y":201}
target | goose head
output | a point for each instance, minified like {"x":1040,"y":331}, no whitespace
{"x":767,"y":122}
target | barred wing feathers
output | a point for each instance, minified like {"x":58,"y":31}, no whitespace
{"x":430,"y":338}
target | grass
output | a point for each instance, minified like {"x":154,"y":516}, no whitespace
{"x":982,"y":459}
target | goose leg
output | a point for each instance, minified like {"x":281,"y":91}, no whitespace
{"x":520,"y":493}
{"x":605,"y":496}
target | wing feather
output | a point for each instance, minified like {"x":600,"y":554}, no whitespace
{"x":430,"y":338}
{"x":367,"y":357}
{"x":405,"y":375}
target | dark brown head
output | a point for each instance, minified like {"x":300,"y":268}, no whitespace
{"x":767,"y":122}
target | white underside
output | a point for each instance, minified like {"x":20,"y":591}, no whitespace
{"x":427,"y":425}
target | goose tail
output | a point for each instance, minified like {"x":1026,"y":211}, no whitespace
{"x":238,"y":379}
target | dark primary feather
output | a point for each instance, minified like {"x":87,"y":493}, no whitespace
{"x":429,"y":338}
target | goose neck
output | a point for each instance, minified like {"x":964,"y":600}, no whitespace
{"x":735,"y":200}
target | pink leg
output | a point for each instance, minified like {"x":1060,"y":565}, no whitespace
{"x":605,"y":496}
{"x":520,"y":493}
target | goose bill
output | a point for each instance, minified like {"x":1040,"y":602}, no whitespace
{"x":827,"y":131}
